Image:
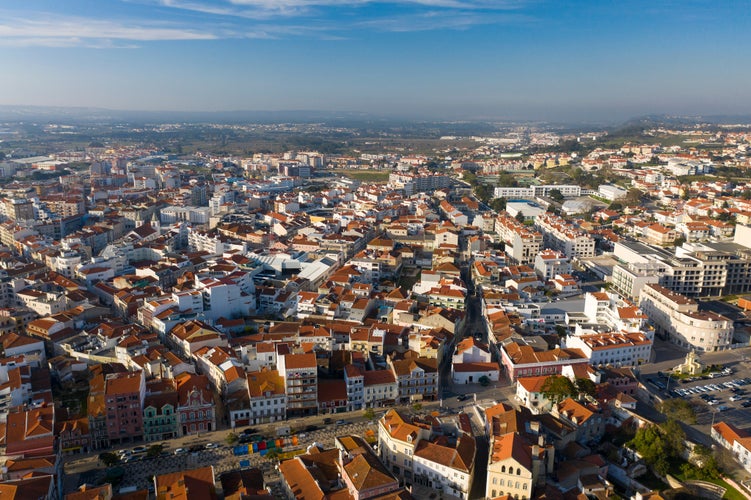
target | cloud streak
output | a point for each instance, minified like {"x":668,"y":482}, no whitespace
{"x":205,"y":20}
{"x":79,"y":31}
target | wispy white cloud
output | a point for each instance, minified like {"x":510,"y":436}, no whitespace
{"x":267,"y":9}
{"x":79,"y":31}
{"x":439,"y":20}
{"x":248,"y":19}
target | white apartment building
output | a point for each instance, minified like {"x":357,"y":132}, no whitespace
{"x":611,"y":192}
{"x":417,"y":183}
{"x":549,"y":263}
{"x":354,"y":380}
{"x":268,"y":400}
{"x":522,"y":244}
{"x":694,"y":269}
{"x":565,"y":237}
{"x":379,"y":388}
{"x":608,"y":309}
{"x":445,"y":468}
{"x":614,"y":349}
{"x":678,"y":318}
{"x":406,"y":447}
{"x":536,"y":191}
{"x":300,"y":374}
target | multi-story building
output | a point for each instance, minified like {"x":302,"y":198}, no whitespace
{"x":694,"y":269}
{"x":408,"y":449}
{"x":613,"y":348}
{"x":416,"y":376}
{"x":565,"y":237}
{"x":354,"y":380}
{"x":610,"y":310}
{"x":550,"y":263}
{"x":300,"y":374}
{"x":678,"y":318}
{"x":195,"y":407}
{"x":124,"y":397}
{"x":160,"y":416}
{"x":522,"y":243}
{"x":446,"y":468}
{"x":268,"y":399}
{"x":568,"y":190}
{"x":379,"y":388}
{"x":520,"y":458}
{"x":521,"y":360}
{"x":418,"y":183}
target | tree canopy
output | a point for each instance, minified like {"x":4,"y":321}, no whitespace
{"x":678,"y":409}
{"x":557,"y":388}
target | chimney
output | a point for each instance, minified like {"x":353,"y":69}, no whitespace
{"x":535,"y":451}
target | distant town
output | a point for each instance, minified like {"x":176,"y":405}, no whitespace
{"x":335,"y":311}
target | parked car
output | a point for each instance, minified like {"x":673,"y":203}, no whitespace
{"x":723,"y":408}
{"x":746,"y":404}
{"x":180,"y":451}
{"x":139,"y":449}
{"x":340,"y":422}
{"x":211,"y":446}
{"x":736,"y":398}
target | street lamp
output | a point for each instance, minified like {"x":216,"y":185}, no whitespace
{"x":667,"y":387}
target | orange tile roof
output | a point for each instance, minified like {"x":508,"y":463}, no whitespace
{"x":177,"y":485}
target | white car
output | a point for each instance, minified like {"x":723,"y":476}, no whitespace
{"x":180,"y":451}
{"x":713,"y":402}
{"x":211,"y":446}
{"x":736,"y":398}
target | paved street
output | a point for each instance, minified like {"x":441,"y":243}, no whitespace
{"x":86,"y":469}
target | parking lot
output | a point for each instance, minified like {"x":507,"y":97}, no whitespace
{"x":725,"y":398}
{"x":139,"y":470}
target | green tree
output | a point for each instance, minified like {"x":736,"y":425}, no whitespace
{"x":674,"y":437}
{"x":650,"y":444}
{"x":678,"y":409}
{"x":520,"y":217}
{"x":483,"y":192}
{"x":231,"y":438}
{"x":154,"y":450}
{"x":557,"y":388}
{"x":469,"y":177}
{"x":498,"y":204}
{"x":484,"y":381}
{"x":586,"y":386}
{"x":109,"y":459}
{"x":556,"y":195}
{"x":369,"y":414}
{"x":507,"y":180}
{"x":634,"y":196}
{"x":417,"y":407}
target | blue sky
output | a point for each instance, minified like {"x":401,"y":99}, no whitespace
{"x":532,"y":59}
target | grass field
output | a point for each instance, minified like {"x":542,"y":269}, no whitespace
{"x":375,"y":176}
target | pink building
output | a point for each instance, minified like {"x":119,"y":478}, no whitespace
{"x":123,"y":398}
